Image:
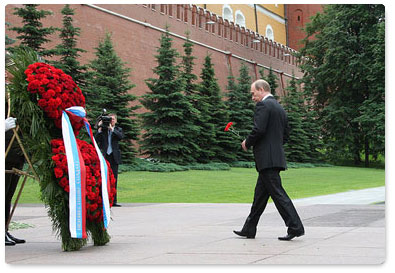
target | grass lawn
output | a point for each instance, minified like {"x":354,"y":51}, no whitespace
{"x":233,"y":186}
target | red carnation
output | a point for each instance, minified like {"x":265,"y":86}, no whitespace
{"x":64,"y":182}
{"x":55,"y":158}
{"x":228,"y":126}
{"x":94,"y":207}
{"x":58,"y":172}
{"x":33,"y":85}
{"x":44,"y":81}
{"x":30,"y":77}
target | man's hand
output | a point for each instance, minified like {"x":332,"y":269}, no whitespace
{"x":10,"y":123}
{"x":99,"y":126}
{"x":243,"y":145}
{"x":111,"y":127}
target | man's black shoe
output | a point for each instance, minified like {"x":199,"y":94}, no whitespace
{"x":8,"y":242}
{"x":116,"y":205}
{"x":244,"y":234}
{"x":16,"y":240}
{"x":289,"y":237}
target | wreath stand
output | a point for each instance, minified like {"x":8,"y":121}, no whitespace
{"x":15,"y":171}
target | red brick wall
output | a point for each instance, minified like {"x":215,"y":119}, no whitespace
{"x":298,"y":16}
{"x":136,"y":44}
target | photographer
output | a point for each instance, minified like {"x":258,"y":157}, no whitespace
{"x":107,"y":138}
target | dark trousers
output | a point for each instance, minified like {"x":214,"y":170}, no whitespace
{"x":114,"y":168}
{"x":269,"y":185}
{"x":11,"y":182}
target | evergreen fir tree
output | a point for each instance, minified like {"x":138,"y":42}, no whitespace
{"x":272,"y":79}
{"x":232,"y":106}
{"x":168,"y":125}
{"x":8,"y":40}
{"x":241,"y":108}
{"x":108,"y":89}
{"x":187,"y":68}
{"x":262,"y":74}
{"x":216,"y":144}
{"x":298,"y":142}
{"x":311,"y":124}
{"x":191,"y":91}
{"x":206,"y":140}
{"x":68,"y":51}
{"x":32,"y":34}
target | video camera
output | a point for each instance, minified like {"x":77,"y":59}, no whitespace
{"x":104,"y":118}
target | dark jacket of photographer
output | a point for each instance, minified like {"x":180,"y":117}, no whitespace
{"x":102,"y":142}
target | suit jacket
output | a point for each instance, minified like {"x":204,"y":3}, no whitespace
{"x":102,"y":142}
{"x":270,"y":132}
{"x":15,"y":155}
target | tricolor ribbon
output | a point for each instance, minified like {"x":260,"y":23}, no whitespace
{"x":76,"y":168}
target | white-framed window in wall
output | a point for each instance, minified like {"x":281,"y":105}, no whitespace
{"x":227,"y":13}
{"x":240,"y":18}
{"x":269,"y":32}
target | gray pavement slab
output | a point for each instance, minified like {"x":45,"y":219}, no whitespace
{"x":353,"y":197}
{"x":179,"y":233}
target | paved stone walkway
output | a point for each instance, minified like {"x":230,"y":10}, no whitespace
{"x":354,"y":197}
{"x":202,"y":234}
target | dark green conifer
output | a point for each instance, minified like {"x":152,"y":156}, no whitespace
{"x":298,"y":143}
{"x":32,"y":34}
{"x":68,"y":51}
{"x":216,"y":144}
{"x":168,"y":124}
{"x":109,"y":88}
{"x":241,"y":109}
{"x":191,"y":92}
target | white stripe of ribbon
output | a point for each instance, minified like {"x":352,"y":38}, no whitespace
{"x":80,"y":111}
{"x":73,"y":165}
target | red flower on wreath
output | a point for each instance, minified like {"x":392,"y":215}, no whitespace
{"x":56,"y":91}
{"x":94,"y":203}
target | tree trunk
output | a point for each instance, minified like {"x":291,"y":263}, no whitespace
{"x":367,"y":152}
{"x":356,"y":148}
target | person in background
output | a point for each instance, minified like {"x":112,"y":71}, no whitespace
{"x":108,"y":141}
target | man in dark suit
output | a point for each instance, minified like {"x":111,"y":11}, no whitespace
{"x":270,"y":132}
{"x":14,"y":159}
{"x":107,"y":139}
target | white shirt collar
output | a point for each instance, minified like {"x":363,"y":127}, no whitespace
{"x":265,"y":97}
